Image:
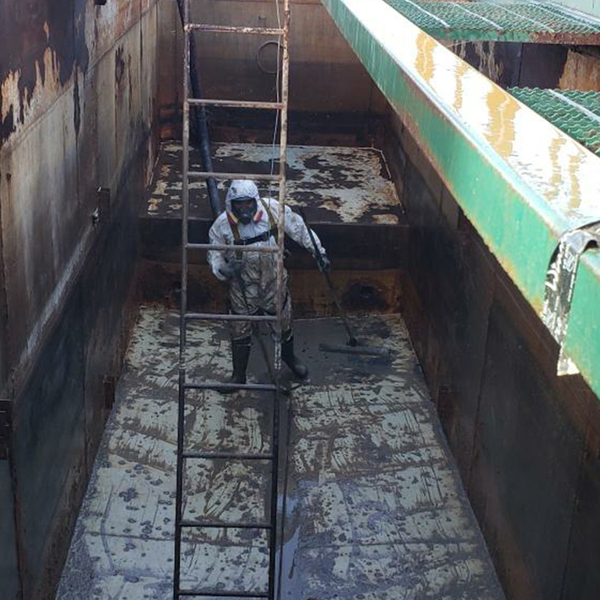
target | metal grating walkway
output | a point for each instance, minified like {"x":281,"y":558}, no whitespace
{"x":574,"y":112}
{"x":484,"y":21}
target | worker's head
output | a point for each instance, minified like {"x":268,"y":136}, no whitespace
{"x":242,"y":199}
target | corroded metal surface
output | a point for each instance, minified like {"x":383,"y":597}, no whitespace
{"x":77,"y":109}
{"x":374,"y":505}
{"x":335,"y":184}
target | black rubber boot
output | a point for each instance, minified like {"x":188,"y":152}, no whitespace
{"x":296,"y":366}
{"x":240,"y":353}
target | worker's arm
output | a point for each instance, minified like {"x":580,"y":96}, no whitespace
{"x":298,"y":231}
{"x":216,"y":258}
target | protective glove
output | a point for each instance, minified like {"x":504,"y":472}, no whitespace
{"x":231,"y":268}
{"x":324,"y":264}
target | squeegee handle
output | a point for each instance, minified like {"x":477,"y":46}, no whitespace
{"x":342,"y":314}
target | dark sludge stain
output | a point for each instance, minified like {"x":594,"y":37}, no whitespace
{"x":364,"y":296}
{"x":28,"y":28}
{"x":119,"y":65}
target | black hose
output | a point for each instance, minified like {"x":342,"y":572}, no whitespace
{"x":201,"y":124}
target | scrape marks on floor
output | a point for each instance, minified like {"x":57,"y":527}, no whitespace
{"x":374,"y":505}
{"x":379,"y":509}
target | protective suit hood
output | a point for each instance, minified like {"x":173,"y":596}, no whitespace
{"x":241,"y":188}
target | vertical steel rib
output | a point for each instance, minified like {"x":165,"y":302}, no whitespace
{"x":183,"y":307}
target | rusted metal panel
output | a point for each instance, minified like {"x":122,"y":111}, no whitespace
{"x":367,"y":291}
{"x":128,"y":110}
{"x":47,"y":212}
{"x":41,"y":48}
{"x":5,"y":428}
{"x":48,"y":444}
{"x":109,"y":23}
{"x":581,"y":71}
{"x":319,"y":54}
{"x":517,"y":435}
{"x":150,"y":57}
{"x":42,"y":239}
{"x":521,"y":416}
{"x":68,"y":128}
{"x":510,"y":64}
{"x":448,"y":289}
{"x":581,"y":578}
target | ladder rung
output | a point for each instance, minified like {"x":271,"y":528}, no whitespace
{"x":225,"y":455}
{"x":233,"y":248}
{"x":235,"y":103}
{"x":221,"y":594}
{"x":254,"y":176}
{"x":219,"y":317}
{"x":215,"y":385}
{"x":213,"y":525}
{"x":232,"y":29}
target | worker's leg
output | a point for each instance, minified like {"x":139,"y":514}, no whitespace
{"x":296,"y":366}
{"x":240,"y":353}
{"x":241,"y":332}
{"x":287,"y":339}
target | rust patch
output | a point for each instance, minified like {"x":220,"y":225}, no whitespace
{"x":581,"y":72}
{"x":28,"y":29}
{"x":7,"y":125}
{"x":77,"y":107}
{"x":366,"y":295}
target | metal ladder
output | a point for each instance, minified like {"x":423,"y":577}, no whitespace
{"x":186,"y":317}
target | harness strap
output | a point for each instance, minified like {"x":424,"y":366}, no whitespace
{"x":263,"y":237}
{"x":272,"y":224}
{"x":237,"y":239}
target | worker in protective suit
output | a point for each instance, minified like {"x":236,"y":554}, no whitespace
{"x":252,"y":276}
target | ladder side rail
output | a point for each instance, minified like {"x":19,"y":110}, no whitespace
{"x":281,"y":105}
{"x":280,"y":295}
{"x":183,"y":308}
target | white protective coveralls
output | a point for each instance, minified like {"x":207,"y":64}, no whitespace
{"x":259,"y":269}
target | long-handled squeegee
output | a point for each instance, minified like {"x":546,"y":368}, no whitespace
{"x":352,"y":346}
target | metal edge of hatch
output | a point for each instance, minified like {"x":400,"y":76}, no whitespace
{"x":521,"y":182}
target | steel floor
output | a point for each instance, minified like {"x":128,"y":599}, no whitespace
{"x":334,"y":184}
{"x":374,"y":505}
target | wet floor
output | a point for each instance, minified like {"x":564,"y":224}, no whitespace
{"x":374,"y":508}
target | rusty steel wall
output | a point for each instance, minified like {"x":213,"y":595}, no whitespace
{"x":325,"y":75}
{"x":526,"y":441}
{"x":534,"y":65}
{"x":79,"y":111}
{"x":582,"y":70}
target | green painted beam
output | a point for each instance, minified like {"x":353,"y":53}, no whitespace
{"x":519,"y":180}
